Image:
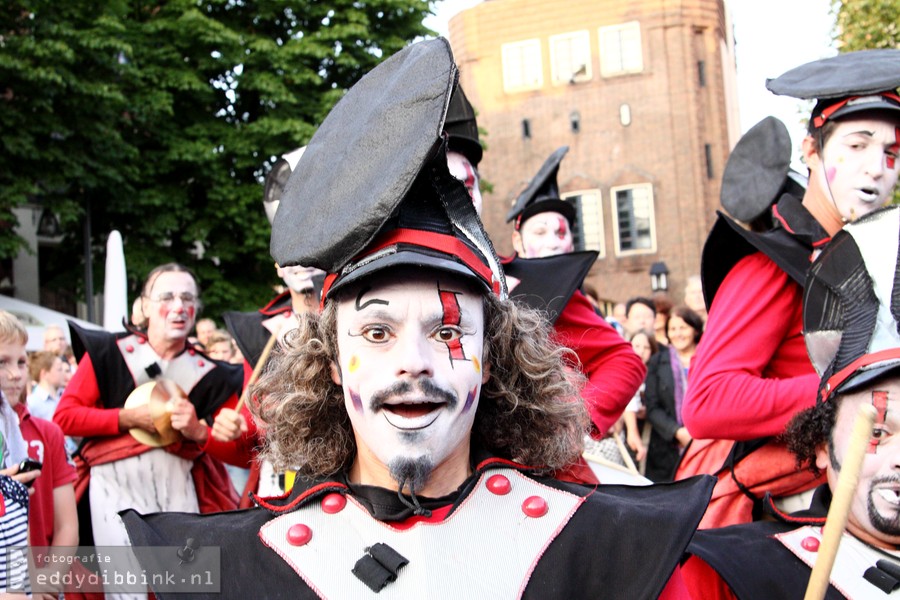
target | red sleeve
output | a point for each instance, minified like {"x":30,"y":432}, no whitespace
{"x":702,"y":581}
{"x":613,"y":370}
{"x":79,"y":413}
{"x":751,"y":373}
{"x":676,"y":589}
{"x":241,"y":451}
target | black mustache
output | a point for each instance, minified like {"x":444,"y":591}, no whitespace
{"x":425,"y":387}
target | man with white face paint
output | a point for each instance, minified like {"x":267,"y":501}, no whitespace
{"x":424,"y":408}
{"x":464,"y":150}
{"x":851,"y":332}
{"x":123,"y":461}
{"x":546,"y":273}
{"x":750,"y":374}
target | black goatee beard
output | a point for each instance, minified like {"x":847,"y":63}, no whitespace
{"x":411,"y":473}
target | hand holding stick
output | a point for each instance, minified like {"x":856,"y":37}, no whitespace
{"x":840,"y":504}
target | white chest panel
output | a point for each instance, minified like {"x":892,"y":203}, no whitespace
{"x":186,"y":369}
{"x":487,"y":549}
{"x":852,"y":559}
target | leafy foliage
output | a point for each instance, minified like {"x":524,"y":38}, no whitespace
{"x":162,"y":119}
{"x":866,"y":25}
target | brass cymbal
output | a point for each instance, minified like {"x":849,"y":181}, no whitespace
{"x":156,"y":395}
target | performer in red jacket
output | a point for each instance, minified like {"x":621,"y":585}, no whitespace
{"x":751,"y":373}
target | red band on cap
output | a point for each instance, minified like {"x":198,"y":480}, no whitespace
{"x":446,"y":244}
{"x":863,"y":361}
{"x":826,"y":113}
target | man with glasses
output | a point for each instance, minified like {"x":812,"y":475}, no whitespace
{"x":122,"y":472}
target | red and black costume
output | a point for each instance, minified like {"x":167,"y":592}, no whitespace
{"x":751,"y":373}
{"x":110,"y":367}
{"x":772,"y":559}
{"x":331,"y":538}
{"x":613,"y":370}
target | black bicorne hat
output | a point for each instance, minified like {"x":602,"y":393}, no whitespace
{"x":845,"y":84}
{"x":462,"y":127}
{"x":373,"y":191}
{"x":542,"y":194}
{"x":851,"y":304}
{"x":758,"y":170}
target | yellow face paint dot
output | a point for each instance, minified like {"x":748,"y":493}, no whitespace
{"x":476,"y":364}
{"x":353,"y":364}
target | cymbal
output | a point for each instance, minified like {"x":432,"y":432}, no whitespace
{"x":154,"y":394}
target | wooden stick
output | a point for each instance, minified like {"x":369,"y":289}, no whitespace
{"x":267,"y":349}
{"x":625,"y":455}
{"x":840,"y":504}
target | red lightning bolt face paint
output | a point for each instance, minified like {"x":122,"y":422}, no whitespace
{"x":450,"y":305}
{"x":893,"y":149}
{"x":879,"y":401}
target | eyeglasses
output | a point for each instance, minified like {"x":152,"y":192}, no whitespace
{"x":186,"y":298}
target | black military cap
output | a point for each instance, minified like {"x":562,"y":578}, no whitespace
{"x":757,"y":170}
{"x":844,"y":84}
{"x":542,"y":194}
{"x":373,"y":191}
{"x":462,"y":127}
{"x":851,"y":324}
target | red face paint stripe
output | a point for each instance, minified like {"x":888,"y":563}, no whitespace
{"x":563,"y":225}
{"x":895,"y":147}
{"x":450,"y":306}
{"x":879,"y":401}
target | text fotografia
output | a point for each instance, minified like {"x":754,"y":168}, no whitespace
{"x":115,"y":569}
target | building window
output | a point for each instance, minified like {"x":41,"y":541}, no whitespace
{"x":588,"y":231}
{"x":570,"y":58}
{"x":522,"y":69}
{"x":635,"y":230}
{"x":620,"y":49}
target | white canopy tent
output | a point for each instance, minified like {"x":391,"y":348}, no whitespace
{"x":36,"y":318}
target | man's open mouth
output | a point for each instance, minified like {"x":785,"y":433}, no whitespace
{"x":412,"y":415}
{"x":868,"y":194}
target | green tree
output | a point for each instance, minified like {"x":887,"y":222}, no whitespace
{"x":866,"y":24}
{"x":160,"y":119}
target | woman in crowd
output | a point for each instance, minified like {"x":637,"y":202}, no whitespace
{"x":645,"y":346}
{"x":666,"y":385}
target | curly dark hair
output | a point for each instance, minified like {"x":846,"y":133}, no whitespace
{"x":810,"y":429}
{"x":530,"y":409}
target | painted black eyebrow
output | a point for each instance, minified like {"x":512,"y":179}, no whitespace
{"x":362,"y":293}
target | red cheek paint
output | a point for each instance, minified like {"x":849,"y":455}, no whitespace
{"x":830,"y":173}
{"x":879,"y":401}
{"x":451,"y":316}
{"x":563,"y":228}
{"x":470,"y":177}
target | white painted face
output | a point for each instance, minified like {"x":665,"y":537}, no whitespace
{"x":410,"y":353}
{"x":544,"y":234}
{"x":462,"y":169}
{"x":858,"y":166}
{"x":297,"y":278}
{"x":875,"y":508}
{"x":171,"y":306}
